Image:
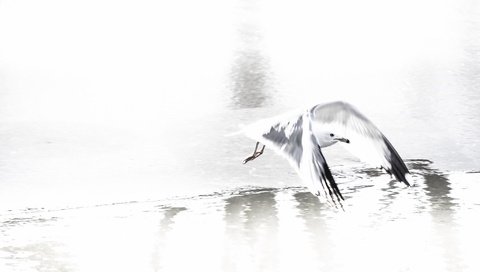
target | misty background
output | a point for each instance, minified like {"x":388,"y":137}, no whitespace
{"x":105,"y":101}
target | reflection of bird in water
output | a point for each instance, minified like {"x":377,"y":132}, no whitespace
{"x":300,"y":136}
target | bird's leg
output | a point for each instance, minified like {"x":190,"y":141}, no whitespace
{"x":255,"y":154}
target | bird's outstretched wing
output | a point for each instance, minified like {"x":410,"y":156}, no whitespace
{"x":293,"y":139}
{"x":314,"y":170}
{"x":366,"y":140}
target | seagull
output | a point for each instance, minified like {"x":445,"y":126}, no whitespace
{"x":300,"y":137}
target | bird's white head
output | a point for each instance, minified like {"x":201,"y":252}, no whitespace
{"x":330,"y":138}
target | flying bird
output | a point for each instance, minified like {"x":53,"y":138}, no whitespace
{"x":300,"y":137}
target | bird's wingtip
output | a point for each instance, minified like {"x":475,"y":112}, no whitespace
{"x":408,"y":179}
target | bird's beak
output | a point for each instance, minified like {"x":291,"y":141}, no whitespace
{"x":345,"y":140}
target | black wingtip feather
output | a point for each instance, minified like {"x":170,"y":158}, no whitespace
{"x":398,"y":167}
{"x":331,"y":183}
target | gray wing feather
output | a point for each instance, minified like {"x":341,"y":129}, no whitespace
{"x":295,"y":141}
{"x":287,"y":138}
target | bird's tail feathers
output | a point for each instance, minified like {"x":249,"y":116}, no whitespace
{"x":240,"y":131}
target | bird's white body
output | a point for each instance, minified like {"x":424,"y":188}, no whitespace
{"x":300,"y":135}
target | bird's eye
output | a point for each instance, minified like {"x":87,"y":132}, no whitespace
{"x":331,"y":135}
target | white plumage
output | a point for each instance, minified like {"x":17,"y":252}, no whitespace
{"x":300,"y":136}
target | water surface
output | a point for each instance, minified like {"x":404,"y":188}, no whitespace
{"x":385,"y":226}
{"x":113,"y":118}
